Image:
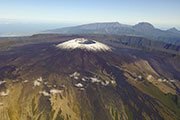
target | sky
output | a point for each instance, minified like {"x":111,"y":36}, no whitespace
{"x":162,"y":13}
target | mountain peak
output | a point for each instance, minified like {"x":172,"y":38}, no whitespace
{"x":84,"y":44}
{"x":144,"y":25}
{"x":172,"y":30}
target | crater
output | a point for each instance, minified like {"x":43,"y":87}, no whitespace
{"x":85,"y":44}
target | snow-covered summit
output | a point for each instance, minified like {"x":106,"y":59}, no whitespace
{"x":85,"y":44}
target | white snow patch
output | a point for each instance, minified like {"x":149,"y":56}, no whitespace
{"x":2,"y":82}
{"x":40,"y":79}
{"x":76,"y":78}
{"x":75,"y":75}
{"x":140,"y":77}
{"x":172,"y":80}
{"x":63,"y":86}
{"x":95,"y":80}
{"x":83,"y":79}
{"x":44,"y":93}
{"x":45,"y":83}
{"x":84,"y":44}
{"x":55,"y":91}
{"x":15,"y":81}
{"x":164,"y":80}
{"x":160,"y":80}
{"x":105,"y":83}
{"x":37,"y":83}
{"x":113,"y":82}
{"x":5,"y":93}
{"x":25,"y":81}
{"x":82,"y":89}
{"x":149,"y":77}
{"x":79,"y":85}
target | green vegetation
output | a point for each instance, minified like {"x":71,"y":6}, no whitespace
{"x":59,"y":116}
{"x":166,"y":100}
{"x":34,"y":109}
{"x":50,"y":115}
{"x":39,"y":118}
{"x":146,"y":116}
{"x":129,"y":113}
{"x":115,"y":114}
{"x":174,"y":98}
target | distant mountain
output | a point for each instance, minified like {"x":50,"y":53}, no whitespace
{"x":103,"y":25}
{"x":144,"y":26}
{"x":173,"y":30}
{"x":141,"y":29}
{"x":95,"y":28}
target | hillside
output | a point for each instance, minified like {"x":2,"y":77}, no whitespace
{"x":88,"y":77}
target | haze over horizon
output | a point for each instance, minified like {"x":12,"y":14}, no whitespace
{"x":163,"y":14}
{"x":24,"y":17}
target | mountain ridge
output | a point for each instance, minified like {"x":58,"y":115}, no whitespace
{"x":173,"y":30}
{"x":143,"y":29}
{"x":117,"y":40}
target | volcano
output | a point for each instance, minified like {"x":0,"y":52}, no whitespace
{"x":85,"y":44}
{"x":85,"y":79}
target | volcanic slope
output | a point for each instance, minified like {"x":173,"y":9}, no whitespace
{"x":82,"y":79}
